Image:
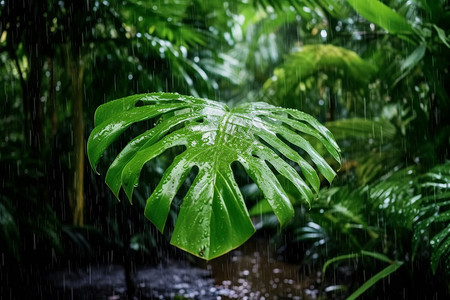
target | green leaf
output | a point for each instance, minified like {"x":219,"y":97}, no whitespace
{"x":434,"y":216}
{"x":374,"y":279}
{"x":442,"y":36}
{"x":377,"y":255}
{"x":410,"y":62}
{"x":356,"y":128}
{"x":311,"y":231}
{"x":383,"y":16}
{"x":311,"y":60}
{"x":414,"y":57}
{"x":213,"y":218}
{"x":440,"y":244}
{"x":394,"y":265}
{"x":260,"y":208}
{"x":338,"y":258}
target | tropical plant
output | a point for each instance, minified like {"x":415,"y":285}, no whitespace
{"x":213,"y":218}
{"x":372,"y":147}
{"x":318,"y":65}
{"x":392,"y":267}
{"x":394,"y":187}
{"x":431,"y":222}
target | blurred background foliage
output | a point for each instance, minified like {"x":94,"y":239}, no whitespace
{"x":376,"y":74}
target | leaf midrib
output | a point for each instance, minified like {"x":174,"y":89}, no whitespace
{"x":218,"y":141}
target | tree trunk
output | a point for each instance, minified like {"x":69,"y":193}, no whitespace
{"x":75,"y":66}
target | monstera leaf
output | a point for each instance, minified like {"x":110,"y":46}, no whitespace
{"x":213,"y":218}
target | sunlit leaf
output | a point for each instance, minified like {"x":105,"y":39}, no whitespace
{"x":357,"y":128}
{"x":382,"y":15}
{"x":310,"y":60}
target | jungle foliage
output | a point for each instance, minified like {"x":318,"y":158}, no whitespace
{"x":375,"y":73}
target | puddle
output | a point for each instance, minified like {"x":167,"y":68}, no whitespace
{"x":250,"y":272}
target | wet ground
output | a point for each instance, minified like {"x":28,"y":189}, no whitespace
{"x":176,"y":280}
{"x":250,"y":272}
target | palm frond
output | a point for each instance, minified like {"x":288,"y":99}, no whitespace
{"x":431,"y":224}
